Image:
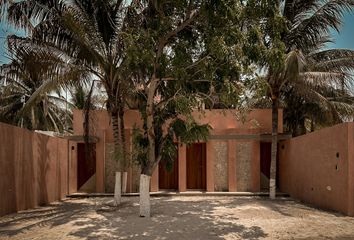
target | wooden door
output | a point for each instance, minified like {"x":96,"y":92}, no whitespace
{"x":168,"y":176}
{"x":196,"y":166}
{"x":86,"y":163}
{"x":265,"y":160}
{"x":266,"y":153}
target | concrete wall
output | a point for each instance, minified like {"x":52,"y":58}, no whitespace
{"x":33,"y":169}
{"x":318,"y":168}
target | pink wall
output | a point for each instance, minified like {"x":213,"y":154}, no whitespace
{"x":257,"y":120}
{"x":308,"y":168}
{"x":223,"y":122}
{"x":33,"y":169}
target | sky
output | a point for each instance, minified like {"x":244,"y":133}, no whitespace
{"x":346,"y":37}
{"x":343,"y":40}
{"x":6,"y":30}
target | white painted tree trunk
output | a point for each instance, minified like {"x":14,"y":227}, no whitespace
{"x":118,"y":189}
{"x":124,"y":182}
{"x":144,"y":189}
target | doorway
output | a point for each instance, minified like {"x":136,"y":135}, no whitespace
{"x":265,"y":159}
{"x":168,"y":175}
{"x":86,"y":167}
{"x":196,"y":166}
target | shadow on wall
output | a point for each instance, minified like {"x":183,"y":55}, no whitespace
{"x":33,"y":169}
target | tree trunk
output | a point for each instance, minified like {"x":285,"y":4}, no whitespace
{"x":124,"y":163}
{"x":144,"y":190}
{"x":118,"y":189}
{"x":147,"y":169}
{"x":117,"y":142}
{"x":273,"y":163}
{"x":124,"y":182}
{"x":312,"y":125}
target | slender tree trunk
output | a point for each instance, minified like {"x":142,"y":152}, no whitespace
{"x":33,"y":119}
{"x":302,"y":130}
{"x":117,"y":142}
{"x":118,"y":189}
{"x":124,"y":182}
{"x":312,"y":125}
{"x":273,"y":163}
{"x":144,"y":190}
{"x":124,"y":163}
{"x":146,"y":170}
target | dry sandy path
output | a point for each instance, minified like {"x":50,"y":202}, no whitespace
{"x":178,"y":218}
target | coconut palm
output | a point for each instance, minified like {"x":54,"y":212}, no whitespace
{"x":308,"y":24}
{"x":19,"y":102}
{"x":324,"y":107}
{"x":321,"y":96}
{"x":90,"y":34}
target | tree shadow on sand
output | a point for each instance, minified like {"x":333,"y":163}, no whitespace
{"x":52,"y":215}
{"x":171,"y":219}
{"x":181,"y":220}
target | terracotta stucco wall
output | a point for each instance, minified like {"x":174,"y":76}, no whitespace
{"x":223,"y":122}
{"x":33,"y":169}
{"x":260,"y":119}
{"x":318,"y":168}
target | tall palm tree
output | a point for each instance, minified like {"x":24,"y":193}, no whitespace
{"x":91,"y":34}
{"x":308,"y":23}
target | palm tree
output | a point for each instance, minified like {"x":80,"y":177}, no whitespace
{"x":308,"y":23}
{"x":307,"y":112}
{"x":20,"y":103}
{"x":90,"y":35}
{"x":321,"y":96}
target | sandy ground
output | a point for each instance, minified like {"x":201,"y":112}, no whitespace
{"x":178,"y":218}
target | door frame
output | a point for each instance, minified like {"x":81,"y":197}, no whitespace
{"x":203,"y":174}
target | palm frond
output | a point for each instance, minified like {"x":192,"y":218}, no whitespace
{"x":308,"y":26}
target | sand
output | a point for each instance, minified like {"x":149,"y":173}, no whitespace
{"x":178,"y":218}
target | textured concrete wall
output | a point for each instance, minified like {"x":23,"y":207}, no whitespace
{"x":318,"y":168}
{"x":33,"y":169}
{"x":110,"y":169}
{"x":220,"y":166}
{"x":244,"y":167}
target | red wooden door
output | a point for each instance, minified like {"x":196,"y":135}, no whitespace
{"x":168,"y":178}
{"x":86,"y":163}
{"x":266,"y":156}
{"x":266,"y":152}
{"x":196,"y":166}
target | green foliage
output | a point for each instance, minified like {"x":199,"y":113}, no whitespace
{"x":169,"y":152}
{"x":189,"y":132}
{"x":300,"y":74}
{"x":140,"y":147}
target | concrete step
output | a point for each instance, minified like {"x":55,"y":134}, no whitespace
{"x":188,"y":193}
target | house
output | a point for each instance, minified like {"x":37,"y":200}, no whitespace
{"x":235,"y":158}
{"x":316,"y":168}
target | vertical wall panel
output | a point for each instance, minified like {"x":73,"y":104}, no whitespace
{"x":221,"y":167}
{"x":244,"y":167}
{"x":33,"y":169}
